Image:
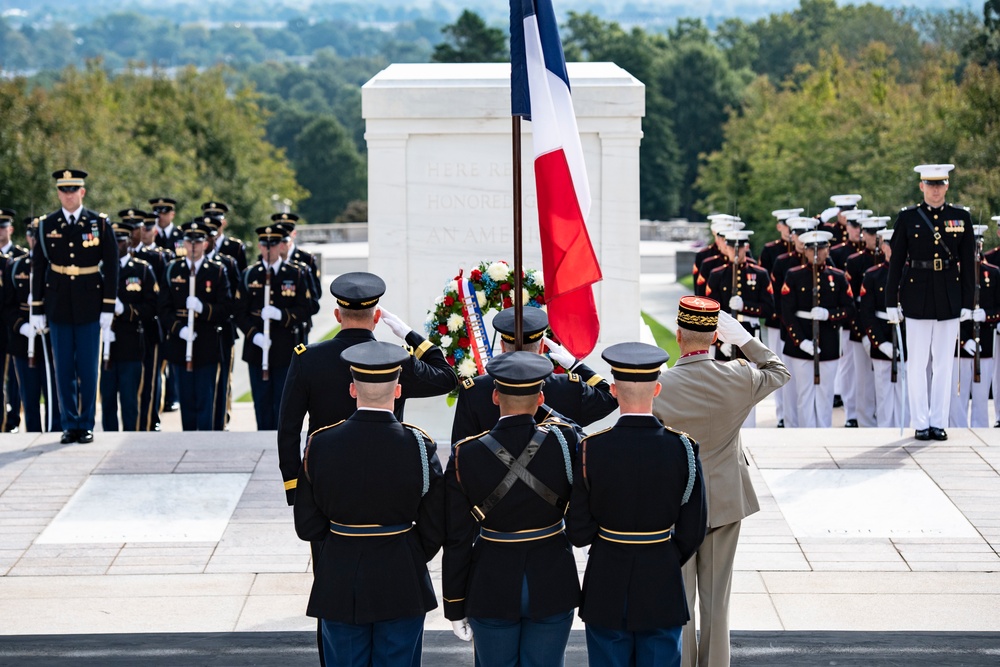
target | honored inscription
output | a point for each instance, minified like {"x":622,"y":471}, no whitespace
{"x":469,"y":169}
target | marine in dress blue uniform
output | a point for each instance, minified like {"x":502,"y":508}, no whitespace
{"x":772,"y":325}
{"x":932,"y":278}
{"x":580,"y":396}
{"x":287,"y":310}
{"x":508,"y":573}
{"x":123,"y":379}
{"x":718,"y":223}
{"x":836,"y":304}
{"x":371,"y":494}
{"x":35,"y":378}
{"x":212,"y":308}
{"x":639,"y":502}
{"x":74,"y":281}
{"x":318,"y":380}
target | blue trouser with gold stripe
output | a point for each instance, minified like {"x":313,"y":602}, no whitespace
{"x":76,"y":352}
{"x":121,"y":382}
{"x":196,"y":391}
{"x":35,"y":383}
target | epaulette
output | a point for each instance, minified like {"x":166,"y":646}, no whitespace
{"x":417,"y":428}
{"x":591,"y":435}
{"x":468,"y":383}
{"x":300,"y":348}
{"x":910,"y":208}
{"x":465,"y":440}
{"x":554,"y":419}
{"x":323,"y":428}
{"x":686,"y":435}
{"x":742,"y":361}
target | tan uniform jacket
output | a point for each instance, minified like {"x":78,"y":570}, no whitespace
{"x":709,"y":400}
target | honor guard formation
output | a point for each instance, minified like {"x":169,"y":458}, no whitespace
{"x":897,"y":325}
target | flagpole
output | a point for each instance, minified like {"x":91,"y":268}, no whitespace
{"x":518,"y":313}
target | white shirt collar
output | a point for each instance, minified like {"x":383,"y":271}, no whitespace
{"x":197,"y":265}
{"x":6,"y":249}
{"x":124,"y":260}
{"x":275,"y":266}
{"x":165,"y":231}
{"x":75,"y":214}
{"x":378,"y":410}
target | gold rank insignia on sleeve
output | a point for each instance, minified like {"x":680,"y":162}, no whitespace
{"x":573,"y":377}
{"x":300,"y":348}
{"x":468,"y":383}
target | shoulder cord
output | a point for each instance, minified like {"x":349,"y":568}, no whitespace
{"x":691,"y":469}
{"x":424,"y":467}
{"x":565,"y":450}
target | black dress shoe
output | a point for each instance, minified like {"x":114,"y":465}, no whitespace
{"x":172,"y":407}
{"x":781,"y":423}
{"x":851,"y":423}
{"x":923,"y":434}
{"x":997,"y":425}
{"x":69,"y":436}
{"x":938,"y":434}
{"x":838,"y":402}
{"x":85,"y":437}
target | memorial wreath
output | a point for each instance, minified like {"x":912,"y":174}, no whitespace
{"x":455,"y":323}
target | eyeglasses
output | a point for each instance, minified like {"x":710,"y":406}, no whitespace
{"x":68,"y":188}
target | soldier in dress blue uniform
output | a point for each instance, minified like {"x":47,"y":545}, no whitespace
{"x":718,"y":223}
{"x":226,"y":245}
{"x":987,"y":314}
{"x":293,"y":254}
{"x":754,"y":298}
{"x":168,"y":236}
{"x":720,"y":226}
{"x":580,"y":395}
{"x":874,"y":323}
{"x":371,"y":494}
{"x":836,"y":304}
{"x":224,"y":388}
{"x":639,"y":502}
{"x":288,"y":308}
{"x":845,"y":385}
{"x":10,"y":400}
{"x":154,"y":366}
{"x":833,"y":219}
{"x":35,"y":378}
{"x":508,"y":573}
{"x":318,"y":380}
{"x":74,"y":280}
{"x":932,"y":278}
{"x":135,"y":313}
{"x":212,"y":306}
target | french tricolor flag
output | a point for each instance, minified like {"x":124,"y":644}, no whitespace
{"x":540,"y":92}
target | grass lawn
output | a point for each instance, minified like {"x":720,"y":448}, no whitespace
{"x":687,"y":281}
{"x":664,"y":338}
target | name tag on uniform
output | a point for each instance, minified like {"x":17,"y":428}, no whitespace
{"x":954,"y":226}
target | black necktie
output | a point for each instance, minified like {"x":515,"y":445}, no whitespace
{"x":72,"y":219}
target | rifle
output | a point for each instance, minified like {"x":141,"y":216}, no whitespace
{"x":265,"y":374}
{"x":735,"y":290}
{"x":976,"y":370}
{"x":895,"y":350}
{"x":815,"y":322}
{"x":31,"y":338}
{"x":107,"y":350}
{"x":189,"y":349}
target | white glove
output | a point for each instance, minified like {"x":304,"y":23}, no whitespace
{"x":195,"y":304}
{"x":820,"y":313}
{"x":886,"y":349}
{"x":736,"y":304}
{"x":970,"y":346}
{"x":39,"y":322}
{"x":106,"y":320}
{"x":186,"y":334}
{"x":560,"y":354}
{"x":727,"y":350}
{"x":110,"y":336}
{"x":271,"y":313}
{"x":119,"y":306}
{"x":396,"y":325}
{"x":261,"y":342}
{"x":895,"y":314}
{"x":979,"y":315}
{"x":462,"y":629}
{"x":808,"y":347}
{"x":731,"y":331}
{"x":965,"y":315}
{"x":866,"y":343}
{"x":27,"y":330}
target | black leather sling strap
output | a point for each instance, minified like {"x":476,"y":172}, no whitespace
{"x":937,"y":235}
{"x":516,"y":470}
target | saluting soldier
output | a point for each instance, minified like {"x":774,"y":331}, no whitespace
{"x":287,"y":308}
{"x":508,"y":574}
{"x":210,"y":308}
{"x":292,"y":253}
{"x":74,"y":281}
{"x":935,"y":244}
{"x":719,"y":226}
{"x":862,"y":377}
{"x":580,"y":395}
{"x":154,"y":366}
{"x":639,"y":502}
{"x":230,"y":332}
{"x":318,"y":380}
{"x":10,"y":399}
{"x":35,"y":377}
{"x":972,"y":394}
{"x":122,"y":379}
{"x":884,"y":346}
{"x":371,"y":495}
{"x":168,"y":236}
{"x":772,"y":324}
{"x":226,"y":245}
{"x":799,"y":310}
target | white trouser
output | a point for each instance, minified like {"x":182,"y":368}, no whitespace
{"x":844,"y":384}
{"x":772,"y":337}
{"x":888,"y":394}
{"x":930,"y":342}
{"x":864,"y":384}
{"x":814,"y":402}
{"x":978,"y":392}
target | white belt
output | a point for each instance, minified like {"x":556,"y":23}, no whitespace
{"x":882,"y":315}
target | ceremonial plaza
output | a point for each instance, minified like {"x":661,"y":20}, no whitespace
{"x":178,"y":547}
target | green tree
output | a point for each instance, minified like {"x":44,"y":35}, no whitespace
{"x":470,"y":40}
{"x":327,"y":164}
